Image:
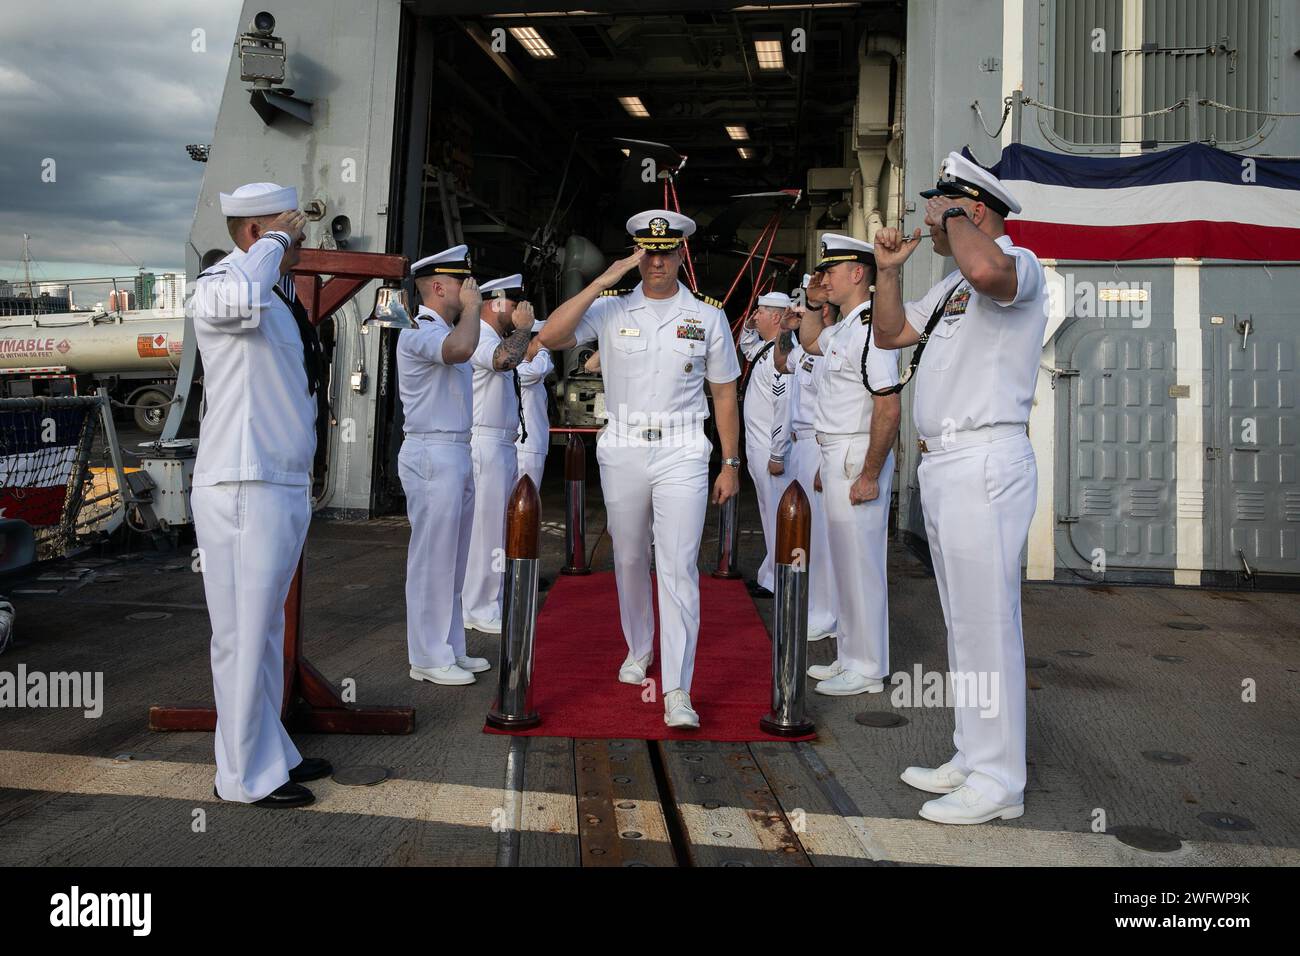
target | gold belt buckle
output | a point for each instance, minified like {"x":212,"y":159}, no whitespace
{"x":920,"y":443}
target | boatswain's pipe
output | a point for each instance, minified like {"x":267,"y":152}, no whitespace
{"x":575,"y":507}
{"x":513,"y":709}
{"x":790,"y":617}
{"x":728,"y":539}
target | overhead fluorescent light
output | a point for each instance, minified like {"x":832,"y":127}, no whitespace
{"x":626,"y":151}
{"x":634,"y":106}
{"x":745,"y":152}
{"x":738,"y":132}
{"x":768,"y":49}
{"x":533,"y":42}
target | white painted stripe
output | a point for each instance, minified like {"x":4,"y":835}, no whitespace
{"x":1159,"y":203}
{"x":1013,"y":55}
{"x":1131,"y":64}
{"x":1189,"y":436}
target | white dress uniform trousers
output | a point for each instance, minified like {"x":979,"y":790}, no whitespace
{"x":802,"y":464}
{"x":654,"y":459}
{"x":767,"y":434}
{"x":532,"y":452}
{"x":251,"y":505}
{"x":857,"y":535}
{"x":434,"y":466}
{"x":979,"y":485}
{"x":496,"y":428}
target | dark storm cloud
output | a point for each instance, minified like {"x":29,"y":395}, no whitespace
{"x":112,"y":93}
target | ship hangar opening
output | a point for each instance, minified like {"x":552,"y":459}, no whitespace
{"x":532,"y":137}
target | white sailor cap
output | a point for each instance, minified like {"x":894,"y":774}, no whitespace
{"x":774,"y":300}
{"x":836,"y":249}
{"x":259,"y":199}
{"x":453,"y":262}
{"x":807,"y":278}
{"x":538,"y":324}
{"x":509,"y":287}
{"x":960,"y":178}
{"x":660,"y":230}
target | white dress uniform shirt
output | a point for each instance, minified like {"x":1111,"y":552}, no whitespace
{"x":979,"y":484}
{"x":802,"y":462}
{"x":496,"y":406}
{"x":260,"y":421}
{"x":856,"y":534}
{"x":844,"y":405}
{"x":767,"y":435}
{"x":435,"y":469}
{"x":436,"y":398}
{"x":532,"y":451}
{"x":655,"y":365}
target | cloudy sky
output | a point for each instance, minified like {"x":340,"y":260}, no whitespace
{"x":111,"y":92}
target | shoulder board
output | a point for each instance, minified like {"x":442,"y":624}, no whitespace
{"x":707,"y":299}
{"x":615,"y":292}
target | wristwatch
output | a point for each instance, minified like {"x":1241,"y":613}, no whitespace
{"x":733,"y":462}
{"x":949,"y":213}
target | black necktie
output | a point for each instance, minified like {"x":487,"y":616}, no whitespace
{"x":312,"y":354}
{"x":519,"y":398}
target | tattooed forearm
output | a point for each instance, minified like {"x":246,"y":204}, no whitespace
{"x":511,"y":350}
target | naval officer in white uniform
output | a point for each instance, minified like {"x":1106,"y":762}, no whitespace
{"x":533,"y":446}
{"x":982,"y":328}
{"x":766,"y":412}
{"x":803,"y":461}
{"x":507,"y":322}
{"x":660,"y":345}
{"x":856,"y":422}
{"x":251,"y":487}
{"x":434,"y":381}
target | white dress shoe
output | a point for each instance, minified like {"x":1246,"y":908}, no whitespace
{"x":451,"y":675}
{"x":944,"y":779}
{"x":633,"y":669}
{"x":475,"y":665}
{"x":965,"y":805}
{"x":818,"y":634}
{"x":849,"y":683}
{"x":677,"y":710}
{"x":825,"y":671}
{"x":484,"y":627}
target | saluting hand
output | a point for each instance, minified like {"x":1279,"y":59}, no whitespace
{"x":291,"y":223}
{"x":892,"y":248}
{"x":523,"y":317}
{"x":611,"y":276}
{"x":471,"y":300}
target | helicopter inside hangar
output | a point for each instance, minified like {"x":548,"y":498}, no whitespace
{"x":539,"y":135}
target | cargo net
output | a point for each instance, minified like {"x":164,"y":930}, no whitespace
{"x":45,"y":446}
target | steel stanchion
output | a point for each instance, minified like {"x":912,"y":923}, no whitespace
{"x":575,"y":507}
{"x":728,"y":539}
{"x":513,"y":709}
{"x":790,"y":617}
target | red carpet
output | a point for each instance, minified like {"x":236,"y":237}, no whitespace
{"x":580,"y":647}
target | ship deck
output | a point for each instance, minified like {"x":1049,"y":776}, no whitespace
{"x":1137,"y":725}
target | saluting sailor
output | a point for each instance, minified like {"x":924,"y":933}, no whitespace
{"x":534,"y":445}
{"x":766,"y":411}
{"x":660,"y":344}
{"x":251,"y":486}
{"x":803,"y":461}
{"x":507,"y":322}
{"x":856,"y":423}
{"x":981,"y":330}
{"x":435,"y":382}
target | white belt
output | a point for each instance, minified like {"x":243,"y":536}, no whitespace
{"x":973,"y":436}
{"x":506,"y":435}
{"x":444,"y":438}
{"x":830,"y":438}
{"x":654,"y":433}
{"x":802,"y":434}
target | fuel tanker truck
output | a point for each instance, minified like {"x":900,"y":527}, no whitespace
{"x":134,"y":355}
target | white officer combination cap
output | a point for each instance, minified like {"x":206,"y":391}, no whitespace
{"x":509,"y":287}
{"x":452,"y":262}
{"x":774,"y":300}
{"x":259,"y":199}
{"x":836,"y":249}
{"x":960,"y":178}
{"x":660,"y":230}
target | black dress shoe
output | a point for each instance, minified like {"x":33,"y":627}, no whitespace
{"x":757,"y":590}
{"x":284,"y":798}
{"x":311,"y":768}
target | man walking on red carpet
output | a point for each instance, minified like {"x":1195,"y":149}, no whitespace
{"x":659,"y":344}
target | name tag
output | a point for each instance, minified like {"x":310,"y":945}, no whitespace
{"x":630,"y":332}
